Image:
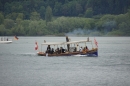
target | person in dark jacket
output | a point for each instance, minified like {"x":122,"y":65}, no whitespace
{"x":49,"y":49}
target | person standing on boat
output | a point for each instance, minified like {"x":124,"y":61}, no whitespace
{"x":48,"y":49}
{"x":68,"y":45}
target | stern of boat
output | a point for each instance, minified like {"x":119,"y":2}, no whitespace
{"x":92,"y":53}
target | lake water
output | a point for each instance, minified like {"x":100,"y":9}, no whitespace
{"x":20,"y":66}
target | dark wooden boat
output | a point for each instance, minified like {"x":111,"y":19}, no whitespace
{"x":70,"y":49}
{"x":93,"y":52}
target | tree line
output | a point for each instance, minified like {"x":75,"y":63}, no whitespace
{"x":60,"y":17}
{"x":84,"y":8}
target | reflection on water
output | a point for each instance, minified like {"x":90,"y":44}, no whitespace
{"x":19,"y":64}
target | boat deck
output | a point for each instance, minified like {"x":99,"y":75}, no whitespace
{"x":90,"y":52}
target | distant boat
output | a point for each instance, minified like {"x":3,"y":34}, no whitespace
{"x":5,"y":40}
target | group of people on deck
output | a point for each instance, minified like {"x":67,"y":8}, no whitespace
{"x":49,"y":50}
{"x":3,"y":39}
{"x":57,"y":51}
{"x":85,"y":49}
{"x":61,"y":50}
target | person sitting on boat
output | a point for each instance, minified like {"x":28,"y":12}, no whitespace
{"x":87,"y":49}
{"x":80,"y":49}
{"x":84,"y":50}
{"x":60,"y":50}
{"x":52,"y":51}
{"x":75,"y":49}
{"x":49,"y":49}
{"x":57,"y":51}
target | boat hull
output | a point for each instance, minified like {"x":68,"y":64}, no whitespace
{"x":91,"y":53}
{"x":5,"y":42}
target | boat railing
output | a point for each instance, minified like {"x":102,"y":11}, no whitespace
{"x":5,"y":39}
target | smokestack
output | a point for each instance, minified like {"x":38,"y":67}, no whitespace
{"x":68,"y":45}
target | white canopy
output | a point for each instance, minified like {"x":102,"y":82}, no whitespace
{"x":64,"y":43}
{"x":53,"y":43}
{"x":75,"y":42}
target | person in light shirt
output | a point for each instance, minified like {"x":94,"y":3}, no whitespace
{"x":80,"y":49}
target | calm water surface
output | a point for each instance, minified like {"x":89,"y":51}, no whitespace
{"x":20,"y":66}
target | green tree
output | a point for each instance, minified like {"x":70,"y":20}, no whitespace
{"x":79,"y":9}
{"x":20,"y":16}
{"x":1,"y":6}
{"x":8,"y":23}
{"x":35,"y":16}
{"x":33,"y":27}
{"x":89,"y":13}
{"x":25,"y":25}
{"x":64,"y":10}
{"x":124,"y":27}
{"x":2,"y":30}
{"x":42,"y":12}
{"x":7,"y":8}
{"x":48,"y":14}
{"x":20,"y":30}
{"x":72,"y":8}
{"x":12,"y":16}
{"x":57,"y":8}
{"x":1,"y":18}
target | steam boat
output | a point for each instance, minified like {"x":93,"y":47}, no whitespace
{"x":68,"y":48}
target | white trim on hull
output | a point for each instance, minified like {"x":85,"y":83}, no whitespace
{"x":5,"y":42}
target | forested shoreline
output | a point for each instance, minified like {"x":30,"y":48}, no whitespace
{"x":65,"y":17}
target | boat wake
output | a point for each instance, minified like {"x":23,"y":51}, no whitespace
{"x":80,"y":55}
{"x":87,"y":55}
{"x":18,"y":54}
{"x":28,"y":54}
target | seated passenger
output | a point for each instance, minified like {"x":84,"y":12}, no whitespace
{"x":87,"y":49}
{"x":52,"y":51}
{"x":84,"y":50}
{"x":75,"y":49}
{"x":80,"y":49}
{"x":57,"y":51}
{"x":60,"y":49}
